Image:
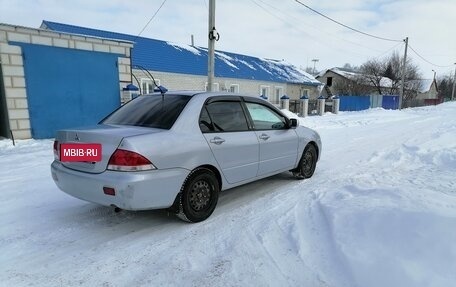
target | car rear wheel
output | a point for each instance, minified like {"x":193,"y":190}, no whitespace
{"x":198,"y":196}
{"x":307,"y":164}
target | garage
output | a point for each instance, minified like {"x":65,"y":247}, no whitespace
{"x":68,"y":87}
{"x":54,"y":80}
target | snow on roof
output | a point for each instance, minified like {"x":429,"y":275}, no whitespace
{"x":247,"y":64}
{"x":157,"y":55}
{"x":426,"y":85}
{"x":345,"y":73}
{"x":384,"y":82}
{"x":181,"y":47}
{"x":227,"y":59}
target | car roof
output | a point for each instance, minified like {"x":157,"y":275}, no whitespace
{"x":223,"y":95}
{"x":206,"y":94}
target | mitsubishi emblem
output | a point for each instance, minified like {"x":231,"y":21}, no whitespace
{"x":76,"y":138}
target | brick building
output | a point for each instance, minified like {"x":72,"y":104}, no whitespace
{"x":180,"y":66}
{"x":52,"y":80}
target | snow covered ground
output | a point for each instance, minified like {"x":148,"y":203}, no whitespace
{"x":379,"y":211}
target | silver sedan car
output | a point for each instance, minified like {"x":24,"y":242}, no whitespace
{"x":180,"y":149}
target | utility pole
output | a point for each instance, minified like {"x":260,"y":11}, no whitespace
{"x":213,"y":36}
{"x":401,"y":95}
{"x":314,"y":60}
{"x":454,"y":83}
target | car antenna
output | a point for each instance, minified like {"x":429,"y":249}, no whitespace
{"x":161,"y":89}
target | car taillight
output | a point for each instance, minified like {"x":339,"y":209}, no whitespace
{"x":124,"y":160}
{"x":56,"y":150}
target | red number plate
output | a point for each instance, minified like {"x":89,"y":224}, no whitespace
{"x":80,"y":152}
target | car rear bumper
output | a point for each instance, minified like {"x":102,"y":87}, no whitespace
{"x":133,"y":190}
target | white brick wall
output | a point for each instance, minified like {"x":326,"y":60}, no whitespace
{"x":13,"y":66}
{"x":21,"y":103}
{"x":24,"y":124}
{"x":83,"y":45}
{"x":13,"y":70}
{"x":14,"y":125}
{"x":3,"y":36}
{"x":124,"y":61}
{"x":249,"y":87}
{"x":4,"y":58}
{"x":63,"y":43}
{"x":7,"y":81}
{"x":18,"y":82}
{"x":42,"y":40}
{"x":15,"y":93}
{"x":101,"y":48}
{"x":10,"y":103}
{"x":18,"y":37}
{"x":16,"y":60}
{"x":8,"y":49}
{"x":18,"y":114}
{"x":117,"y":50}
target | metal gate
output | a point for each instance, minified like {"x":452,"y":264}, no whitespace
{"x":68,"y":87}
{"x":295,"y":106}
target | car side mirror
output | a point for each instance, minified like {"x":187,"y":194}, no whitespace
{"x":293,"y":123}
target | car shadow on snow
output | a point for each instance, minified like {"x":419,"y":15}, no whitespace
{"x":96,"y":218}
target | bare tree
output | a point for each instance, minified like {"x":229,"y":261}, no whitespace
{"x":373,"y":72}
{"x":393,"y":70}
{"x":352,"y":86}
{"x":385,"y":76}
{"x":310,"y":70}
{"x":445,"y":85}
{"x":350,"y":68}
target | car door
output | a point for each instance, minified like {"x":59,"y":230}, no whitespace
{"x":234,"y":145}
{"x":278,"y":142}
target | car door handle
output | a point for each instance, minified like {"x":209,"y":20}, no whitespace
{"x":217,"y":140}
{"x":264,"y":137}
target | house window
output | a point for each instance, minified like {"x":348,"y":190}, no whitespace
{"x":234,"y":88}
{"x":278,"y":92}
{"x":329,"y":81}
{"x":147,"y":85}
{"x":264,"y":91}
{"x":304,"y":93}
{"x":215,"y":87}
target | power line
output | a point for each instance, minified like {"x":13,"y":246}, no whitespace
{"x":318,"y":28}
{"x":293,"y":25}
{"x":284,"y":20}
{"x":422,"y":58}
{"x":387,"y":51}
{"x":272,"y":14}
{"x":152,"y":18}
{"x":348,"y":27}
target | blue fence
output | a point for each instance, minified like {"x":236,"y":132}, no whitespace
{"x":359,"y":103}
{"x":390,"y":102}
{"x":354,"y":103}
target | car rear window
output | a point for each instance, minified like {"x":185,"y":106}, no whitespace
{"x":152,"y":111}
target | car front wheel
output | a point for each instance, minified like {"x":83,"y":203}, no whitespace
{"x":198,"y":196}
{"x":307,"y":164}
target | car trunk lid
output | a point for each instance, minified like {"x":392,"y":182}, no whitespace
{"x":109,"y":136}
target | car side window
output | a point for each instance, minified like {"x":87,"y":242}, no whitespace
{"x":264,"y":118}
{"x":223,"y":116}
{"x":205,"y":122}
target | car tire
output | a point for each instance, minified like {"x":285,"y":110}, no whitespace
{"x":307,"y":164}
{"x":199,"y":195}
